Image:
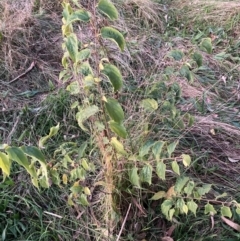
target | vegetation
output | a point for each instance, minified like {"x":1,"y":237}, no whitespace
{"x":119,"y":120}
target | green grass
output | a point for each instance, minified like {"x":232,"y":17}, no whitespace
{"x":212,"y":98}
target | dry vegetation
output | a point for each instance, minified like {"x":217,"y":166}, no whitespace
{"x":30,"y":62}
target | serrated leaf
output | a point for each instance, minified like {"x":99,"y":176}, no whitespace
{"x":176,"y":54}
{"x":146,"y":174}
{"x":180,"y":204}
{"x":197,"y":57}
{"x":118,"y":129}
{"x":204,"y":189}
{"x":180,"y":183}
{"x":72,"y":46}
{"x":185,"y":72}
{"x":175,"y":167}
{"x":161,"y":170}
{"x":113,"y":35}
{"x":144,"y":150}
{"x":206,"y":45}
{"x":118,"y":146}
{"x":165,"y":207}
{"x":226,"y":212}
{"x":186,"y":159}
{"x":114,"y":110}
{"x":107,"y":8}
{"x":73,"y":88}
{"x":79,"y":15}
{"x":134,"y":177}
{"x":84,"y":114}
{"x":192,"y":206}
{"x":114,"y":75}
{"x":157,"y":149}
{"x":209,"y":209}
{"x":158,"y":195}
{"x":5,"y":163}
{"x":83,"y":54}
{"x":189,"y":188}
{"x":149,"y":104}
{"x":171,"y":148}
{"x":53,"y":132}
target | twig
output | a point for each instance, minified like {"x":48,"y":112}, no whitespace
{"x":21,"y":75}
{"x":13,"y":130}
{"x":124,"y":221}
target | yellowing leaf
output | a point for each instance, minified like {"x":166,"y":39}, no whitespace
{"x":72,"y":46}
{"x":146,"y":174}
{"x":161,"y":170}
{"x":209,"y":209}
{"x":189,"y":188}
{"x":53,"y":132}
{"x":85,"y":165}
{"x":180,"y":183}
{"x":87,"y":191}
{"x":65,"y":179}
{"x":149,"y":104}
{"x":118,"y":146}
{"x":192,"y":206}
{"x":166,"y":206}
{"x":114,"y":35}
{"x":171,"y":148}
{"x":107,"y":8}
{"x":158,"y":195}
{"x":185,"y":208}
{"x":175,"y":167}
{"x":5,"y":163}
{"x":226,"y":212}
{"x":157,"y":149}
{"x":134,"y":177}
{"x":79,"y":15}
{"x":186,"y":160}
{"x":171,"y":193}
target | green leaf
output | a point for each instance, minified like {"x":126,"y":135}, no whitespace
{"x":185,"y":72}
{"x":158,"y":195}
{"x":206,"y":45}
{"x":114,"y":75}
{"x":53,"y":132}
{"x":5,"y":163}
{"x":176,"y":54}
{"x":114,"y":110}
{"x":107,"y":8}
{"x":146,"y":174}
{"x":226,"y":212}
{"x":171,"y":148}
{"x":34,"y":152}
{"x":186,"y":160}
{"x":134,"y":177}
{"x":171,"y":213}
{"x":180,"y":183}
{"x":18,"y":155}
{"x":192,"y":206}
{"x":209,"y":209}
{"x":144,"y":150}
{"x":175,"y":167}
{"x":85,"y":165}
{"x":79,"y":15}
{"x":157,"y":149}
{"x":197,"y":57}
{"x":83,"y":200}
{"x":180,"y":204}
{"x":117,"y":128}
{"x":85,"y":69}
{"x":118,"y":146}
{"x":161,"y":170}
{"x":149,"y":104}
{"x":189,"y":188}
{"x":73,"y":88}
{"x":82,"y":149}
{"x":83,"y":54}
{"x":166,"y":206}
{"x":84,"y":114}
{"x":72,"y":46}
{"x":204,"y":189}
{"x":114,"y":35}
